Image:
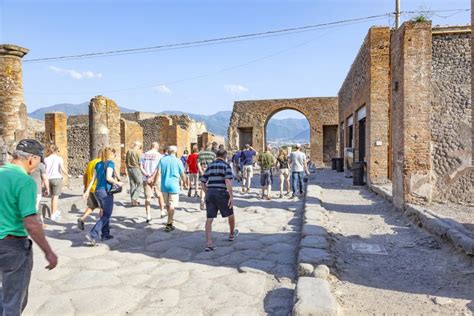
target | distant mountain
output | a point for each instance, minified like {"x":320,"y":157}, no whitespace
{"x":278,"y":130}
{"x":68,"y":108}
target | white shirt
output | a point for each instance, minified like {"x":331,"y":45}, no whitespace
{"x":150,"y":161}
{"x":53,"y":166}
{"x":298,"y":161}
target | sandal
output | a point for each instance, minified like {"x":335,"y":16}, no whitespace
{"x":209,"y":248}
{"x":233,"y":236}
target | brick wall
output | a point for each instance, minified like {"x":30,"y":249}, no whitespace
{"x":411,"y":48}
{"x":367,"y":84}
{"x":254,"y":116}
{"x":55,"y":132}
{"x":130,"y":132}
{"x":78,"y":142}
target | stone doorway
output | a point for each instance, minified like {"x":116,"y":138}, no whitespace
{"x":245,"y":136}
{"x":255,"y":115}
{"x":329,"y":142}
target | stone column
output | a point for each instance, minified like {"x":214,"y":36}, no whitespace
{"x":104,"y":127}
{"x":55,"y":132}
{"x":12,"y":108}
{"x":410,"y":107}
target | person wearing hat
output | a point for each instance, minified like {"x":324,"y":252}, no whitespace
{"x":18,"y":220}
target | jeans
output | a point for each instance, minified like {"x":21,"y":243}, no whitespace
{"x":297,"y":182}
{"x":136,"y":183}
{"x":106,"y":203}
{"x":16,"y":262}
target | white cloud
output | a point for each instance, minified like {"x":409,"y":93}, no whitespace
{"x":78,"y":75}
{"x":235,"y":88}
{"x":162,"y":89}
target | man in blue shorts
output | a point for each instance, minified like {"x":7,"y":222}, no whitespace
{"x":217,"y":183}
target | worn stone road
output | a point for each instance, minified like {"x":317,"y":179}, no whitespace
{"x":384,"y":263}
{"x":145,"y":270}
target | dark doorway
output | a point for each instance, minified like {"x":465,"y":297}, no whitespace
{"x":350,"y":137}
{"x":245,"y":136}
{"x":362,"y":139}
{"x":329,"y":142}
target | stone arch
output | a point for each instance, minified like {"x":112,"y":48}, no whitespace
{"x":249,"y":118}
{"x":271,"y":115}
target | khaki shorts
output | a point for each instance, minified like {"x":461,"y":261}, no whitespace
{"x":55,"y":187}
{"x":171,"y":199}
{"x":248,"y":171}
{"x":149,"y":190}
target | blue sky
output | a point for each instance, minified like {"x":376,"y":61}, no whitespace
{"x":297,"y":65}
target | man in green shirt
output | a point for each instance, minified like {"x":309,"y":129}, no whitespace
{"x":132,"y":160}
{"x":204,"y":160}
{"x":18,"y":220}
{"x":266,"y":162}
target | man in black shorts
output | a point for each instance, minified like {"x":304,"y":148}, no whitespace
{"x":217,"y":183}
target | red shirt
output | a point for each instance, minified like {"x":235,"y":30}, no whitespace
{"x":192,"y":163}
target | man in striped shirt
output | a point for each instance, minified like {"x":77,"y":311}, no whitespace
{"x":217,"y":183}
{"x":204,"y":160}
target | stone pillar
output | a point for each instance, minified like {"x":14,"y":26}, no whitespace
{"x":55,"y":132}
{"x":130,"y":132}
{"x":13,"y":121}
{"x":104,"y":127}
{"x":411,"y":55}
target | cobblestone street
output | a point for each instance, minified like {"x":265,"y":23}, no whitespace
{"x":145,"y":270}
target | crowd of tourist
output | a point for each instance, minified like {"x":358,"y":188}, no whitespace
{"x":162,"y":175}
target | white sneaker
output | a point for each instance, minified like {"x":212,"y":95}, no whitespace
{"x":148,"y":217}
{"x":56,"y":216}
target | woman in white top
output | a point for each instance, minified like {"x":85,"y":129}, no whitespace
{"x":54,"y":170}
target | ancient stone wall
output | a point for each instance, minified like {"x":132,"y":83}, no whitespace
{"x":55,"y":132}
{"x":78,"y":142}
{"x":411,"y":50}
{"x":152,"y":128}
{"x":13,"y":118}
{"x":249,"y":119}
{"x":104,"y":127}
{"x":130,"y":132}
{"x":367,"y":84}
{"x":208,"y":138}
{"x":451,"y":112}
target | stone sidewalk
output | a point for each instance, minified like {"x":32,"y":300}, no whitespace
{"x":145,"y":270}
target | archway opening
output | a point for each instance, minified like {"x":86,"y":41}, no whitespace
{"x":286,"y":128}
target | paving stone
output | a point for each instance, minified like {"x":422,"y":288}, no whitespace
{"x":313,"y":230}
{"x":321,"y":271}
{"x":305,"y":269}
{"x":282,"y":247}
{"x":165,"y":298}
{"x":96,"y":264}
{"x":284,"y":271}
{"x":56,"y":305}
{"x":168,"y":280}
{"x":52,"y":275}
{"x":262,"y":265}
{"x":314,"y":256}
{"x":90,"y":279}
{"x":242,"y":245}
{"x":84,"y":251}
{"x":250,"y":284}
{"x":314,"y":242}
{"x":143,"y":267}
{"x":314,"y":297}
{"x":177,"y":254}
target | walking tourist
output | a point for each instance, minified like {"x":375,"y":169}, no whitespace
{"x":41,"y":180}
{"x":107,"y":179}
{"x":193,"y":169}
{"x":236,"y":166}
{"x":266,"y":162}
{"x":214,"y":147}
{"x":18,"y":220}
{"x":184,"y":159}
{"x":151,"y":183}
{"x":91,"y":203}
{"x":298,"y":169}
{"x":247,"y":159}
{"x":170,"y":171}
{"x":55,"y":170}
{"x":205,"y":158}
{"x":217,"y":183}
{"x":132,"y":161}
{"x":284,"y":172}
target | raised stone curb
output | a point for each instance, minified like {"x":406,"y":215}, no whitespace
{"x":313,"y":292}
{"x":451,"y":231}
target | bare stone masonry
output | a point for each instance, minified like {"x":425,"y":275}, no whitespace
{"x":249,"y":120}
{"x":56,"y":133}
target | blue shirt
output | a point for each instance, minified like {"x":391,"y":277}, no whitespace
{"x":246,"y":157}
{"x":101,"y":176}
{"x":171,"y":169}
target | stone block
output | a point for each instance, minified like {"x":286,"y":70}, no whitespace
{"x":314,"y":256}
{"x":321,"y":272}
{"x":313,"y":230}
{"x":310,"y":241}
{"x":314,"y":297}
